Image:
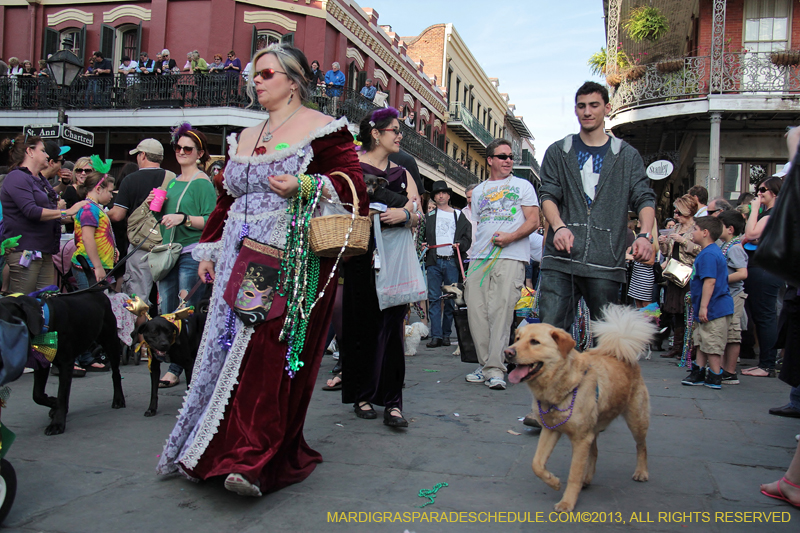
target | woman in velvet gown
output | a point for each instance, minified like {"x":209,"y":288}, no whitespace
{"x":243,"y":415}
{"x":373,"y":363}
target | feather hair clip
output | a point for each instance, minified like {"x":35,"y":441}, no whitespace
{"x":383,"y":114}
{"x":179,"y":131}
{"x":100,"y":166}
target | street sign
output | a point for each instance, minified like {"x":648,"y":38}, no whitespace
{"x":78,"y":135}
{"x":45,"y":131}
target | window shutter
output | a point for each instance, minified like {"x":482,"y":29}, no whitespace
{"x":254,"y":41}
{"x":138,"y":43}
{"x":50,"y":42}
{"x":107,"y":36}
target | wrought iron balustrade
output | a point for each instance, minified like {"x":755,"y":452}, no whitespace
{"x":742,"y":73}
{"x":460,"y":113}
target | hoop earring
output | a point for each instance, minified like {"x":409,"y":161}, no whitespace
{"x":291,"y":96}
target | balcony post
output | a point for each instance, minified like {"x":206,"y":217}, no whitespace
{"x":717,"y":45}
{"x":714,"y":185}
{"x":614,"y":10}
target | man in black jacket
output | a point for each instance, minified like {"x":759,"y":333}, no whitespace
{"x":443,"y":225}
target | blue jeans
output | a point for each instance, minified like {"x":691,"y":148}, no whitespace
{"x":556,"y":306}
{"x":444,"y":272}
{"x":183,"y":276}
{"x":762,"y":298}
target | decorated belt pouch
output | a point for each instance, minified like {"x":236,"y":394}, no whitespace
{"x":252,"y":290}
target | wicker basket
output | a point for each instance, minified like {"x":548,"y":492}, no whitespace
{"x":334,"y":234}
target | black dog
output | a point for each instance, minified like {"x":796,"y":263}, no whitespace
{"x":80,"y":319}
{"x":169,"y":345}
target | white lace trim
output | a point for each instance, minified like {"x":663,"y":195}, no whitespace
{"x":207,"y":251}
{"x":327,"y":129}
{"x":203,"y":339}
{"x":228,"y":378}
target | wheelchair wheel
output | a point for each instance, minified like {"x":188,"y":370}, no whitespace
{"x":8,"y":488}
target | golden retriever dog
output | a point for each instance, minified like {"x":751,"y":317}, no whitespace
{"x":579,"y":394}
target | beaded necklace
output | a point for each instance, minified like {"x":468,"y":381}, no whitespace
{"x":727,"y":245}
{"x":553,"y":407}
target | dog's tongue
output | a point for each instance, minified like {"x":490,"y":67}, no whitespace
{"x":519,"y":373}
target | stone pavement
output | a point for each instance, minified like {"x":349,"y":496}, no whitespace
{"x":708,"y":452}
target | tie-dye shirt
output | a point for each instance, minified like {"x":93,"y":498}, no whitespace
{"x":93,"y":215}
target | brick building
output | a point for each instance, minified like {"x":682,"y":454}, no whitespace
{"x":327,"y":31}
{"x":714,"y":96}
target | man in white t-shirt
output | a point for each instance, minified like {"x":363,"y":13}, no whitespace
{"x":443,"y":225}
{"x":507,"y":211}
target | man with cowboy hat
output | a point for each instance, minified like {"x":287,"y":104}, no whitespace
{"x":446,"y":226}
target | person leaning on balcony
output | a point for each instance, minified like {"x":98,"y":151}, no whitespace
{"x":334,"y":79}
{"x":410,"y":119}
{"x":145,"y":65}
{"x":32,"y":209}
{"x":233,"y":65}
{"x":166,"y":65}
{"x":44,"y":70}
{"x":217,"y":66}
{"x":368,"y":91}
{"x":127,"y":66}
{"x":197,"y":65}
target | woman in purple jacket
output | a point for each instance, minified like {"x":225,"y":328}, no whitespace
{"x":31,"y":209}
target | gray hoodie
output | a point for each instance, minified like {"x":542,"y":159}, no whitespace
{"x":599,"y":230}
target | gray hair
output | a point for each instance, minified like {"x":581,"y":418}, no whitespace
{"x":470,"y":187}
{"x":165,"y":52}
{"x":722,"y":204}
{"x":336,"y":64}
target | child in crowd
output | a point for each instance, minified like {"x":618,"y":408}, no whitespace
{"x":713,"y":305}
{"x":94,"y":237}
{"x":736,"y":258}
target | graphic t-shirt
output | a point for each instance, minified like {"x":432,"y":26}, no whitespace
{"x":590,"y":162}
{"x":445,"y":230}
{"x":710,"y":263}
{"x":497,"y":206}
{"x":93,"y":215}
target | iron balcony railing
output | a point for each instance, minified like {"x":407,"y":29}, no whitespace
{"x":202,"y":90}
{"x":460,"y":113}
{"x":742,"y":73}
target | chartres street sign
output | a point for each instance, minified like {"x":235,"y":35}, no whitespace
{"x":659,"y":170}
{"x":77,"y":135}
{"x":45,"y":131}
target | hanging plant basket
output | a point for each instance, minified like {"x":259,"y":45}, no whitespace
{"x":646,"y":24}
{"x":635,"y":73}
{"x":613,"y":80}
{"x":669,"y":66}
{"x":785,"y":58}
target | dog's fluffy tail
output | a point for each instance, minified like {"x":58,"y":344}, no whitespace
{"x":623,"y":332}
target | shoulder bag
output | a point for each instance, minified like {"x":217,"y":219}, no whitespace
{"x":142,"y":225}
{"x":163,"y":257}
{"x":675,"y":271}
{"x":778,"y":250}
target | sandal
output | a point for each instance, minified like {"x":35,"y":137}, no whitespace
{"x":368,"y":414}
{"x":780,"y":496}
{"x":392,"y":420}
{"x":238,"y":484}
{"x":166,"y":382}
{"x":97,"y":367}
{"x":335,"y":383}
{"x":759,"y":373}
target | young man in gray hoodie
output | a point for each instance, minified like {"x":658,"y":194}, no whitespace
{"x":589,"y":183}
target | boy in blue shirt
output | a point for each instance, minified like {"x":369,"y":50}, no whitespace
{"x":712,"y":302}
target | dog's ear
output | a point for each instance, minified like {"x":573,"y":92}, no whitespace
{"x":564,"y":341}
{"x":32,"y":311}
{"x":142,"y":327}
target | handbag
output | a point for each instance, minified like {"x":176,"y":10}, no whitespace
{"x":252,"y":290}
{"x":778,"y":250}
{"x":675,"y":271}
{"x":399,"y":281}
{"x":163,"y":257}
{"x":143,"y":226}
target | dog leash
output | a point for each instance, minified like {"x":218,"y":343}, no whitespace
{"x":458,"y":253}
{"x":120,"y":263}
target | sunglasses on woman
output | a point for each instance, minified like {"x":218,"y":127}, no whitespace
{"x":185,"y":149}
{"x":678,"y":213}
{"x":762,"y":190}
{"x":396,"y":131}
{"x":82,"y":170}
{"x":268,"y":73}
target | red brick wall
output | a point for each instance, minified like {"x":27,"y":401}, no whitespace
{"x":429,"y":47}
{"x":734,"y":26}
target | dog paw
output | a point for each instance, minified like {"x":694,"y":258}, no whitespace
{"x":118,"y":404}
{"x":641,"y":476}
{"x":564,"y":507}
{"x":553,"y":482}
{"x":55,"y":429}
{"x":150,"y":412}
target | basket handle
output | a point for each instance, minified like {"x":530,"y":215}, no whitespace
{"x":352,"y":188}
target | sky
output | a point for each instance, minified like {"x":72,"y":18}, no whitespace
{"x":537,"y":48}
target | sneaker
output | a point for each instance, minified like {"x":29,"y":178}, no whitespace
{"x":696,"y":377}
{"x":730,"y":379}
{"x":713,"y":381}
{"x":495,"y":383}
{"x":477,"y":376}
{"x":335,"y":355}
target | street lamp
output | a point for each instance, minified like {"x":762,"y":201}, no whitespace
{"x":65,"y":67}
